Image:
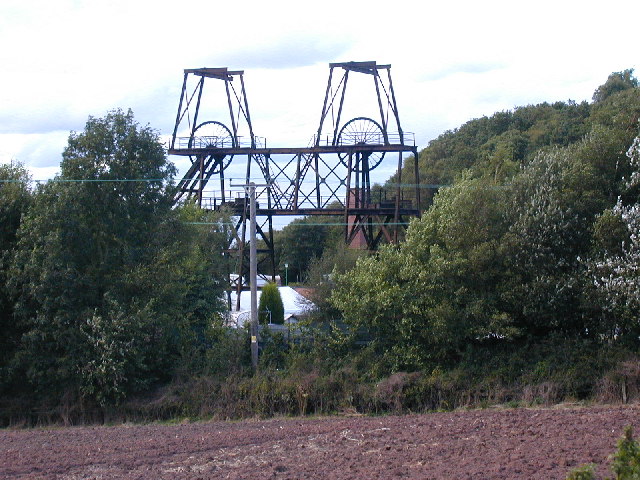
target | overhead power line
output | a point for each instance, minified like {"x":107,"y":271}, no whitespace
{"x":306,"y":224}
{"x":115,"y":180}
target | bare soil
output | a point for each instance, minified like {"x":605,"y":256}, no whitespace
{"x":479,"y":444}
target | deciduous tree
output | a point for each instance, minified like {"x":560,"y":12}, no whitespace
{"x":112,"y":284}
{"x":423,"y":302}
{"x":15,"y":199}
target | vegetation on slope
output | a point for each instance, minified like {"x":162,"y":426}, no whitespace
{"x":519,"y":283}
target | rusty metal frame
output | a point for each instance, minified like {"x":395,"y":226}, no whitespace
{"x":314,"y":180}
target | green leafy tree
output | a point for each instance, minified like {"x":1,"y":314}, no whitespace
{"x":170,"y":317}
{"x":270,"y":307}
{"x":502,"y":142}
{"x":496,"y":146}
{"x":616,"y":270}
{"x":499,"y":255}
{"x":555,"y":200}
{"x":111,"y":282}
{"x":617,"y":82}
{"x":304,"y":240}
{"x":15,"y":199}
{"x":558,"y":202}
{"x":322,"y":271}
{"x":423,"y":302}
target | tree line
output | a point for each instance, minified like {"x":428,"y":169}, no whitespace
{"x":528,"y":247}
{"x":106,"y":290}
{"x":522,"y":269}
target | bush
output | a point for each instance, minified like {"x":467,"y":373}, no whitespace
{"x":271,"y":308}
{"x":585,"y":472}
{"x":625,"y":465}
{"x":621,"y":384}
{"x":626,"y":460}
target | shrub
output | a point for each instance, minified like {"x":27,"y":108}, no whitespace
{"x":621,"y":384}
{"x":626,"y":460}
{"x":584,"y":472}
{"x":625,"y":465}
{"x":271,"y":308}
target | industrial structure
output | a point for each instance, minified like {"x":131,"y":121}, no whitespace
{"x":330,"y":176}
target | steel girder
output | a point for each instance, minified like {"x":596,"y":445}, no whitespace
{"x":330,"y":177}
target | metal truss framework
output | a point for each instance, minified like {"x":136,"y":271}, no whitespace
{"x":329,"y":177}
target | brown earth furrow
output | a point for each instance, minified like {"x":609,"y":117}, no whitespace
{"x":480,"y":444}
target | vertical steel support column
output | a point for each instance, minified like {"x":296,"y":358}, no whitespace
{"x":175,"y":129}
{"x":272,"y":248}
{"x":234,"y":127}
{"x":416,"y":179}
{"x":201,"y":180}
{"x":241,"y":244}
{"x":324,"y":107}
{"x":272,"y":255}
{"x":222,"y":195}
{"x":316,"y":157}
{"x":395,"y":107}
{"x":367,"y":191}
{"x":396,"y":215}
{"x":296,"y":186}
{"x":195,"y":115}
{"x":244,"y":233}
{"x":384,"y":122}
{"x":337,"y":121}
{"x":246,"y":113}
{"x":346,"y":202}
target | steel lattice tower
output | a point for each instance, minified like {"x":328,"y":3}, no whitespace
{"x":332,"y":176}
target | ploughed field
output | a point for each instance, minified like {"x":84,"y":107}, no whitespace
{"x":480,"y":444}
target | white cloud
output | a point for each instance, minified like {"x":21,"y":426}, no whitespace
{"x":451,"y":61}
{"x":40,"y":152}
{"x":291,"y":49}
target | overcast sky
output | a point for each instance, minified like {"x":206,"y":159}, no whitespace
{"x":64,"y":60}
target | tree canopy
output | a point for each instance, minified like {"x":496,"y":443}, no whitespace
{"x":110,"y":282}
{"x":15,"y":200}
{"x":617,"y":82}
{"x":528,"y":243}
{"x":506,"y":252}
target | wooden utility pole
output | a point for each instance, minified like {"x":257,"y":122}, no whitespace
{"x":253,"y":274}
{"x":250,"y":190}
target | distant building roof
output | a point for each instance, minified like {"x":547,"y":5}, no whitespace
{"x":306,"y":292}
